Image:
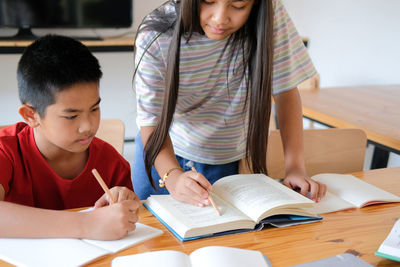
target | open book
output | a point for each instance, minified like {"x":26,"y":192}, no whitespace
{"x":68,"y":251}
{"x":246,"y":202}
{"x":390,"y":247}
{"x":345,"y":191}
{"x":213,"y":256}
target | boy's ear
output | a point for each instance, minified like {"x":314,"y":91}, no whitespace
{"x":29,"y":114}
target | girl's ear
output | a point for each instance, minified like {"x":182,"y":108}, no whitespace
{"x":29,"y":114}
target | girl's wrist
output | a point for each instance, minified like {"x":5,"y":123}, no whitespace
{"x":296,"y":172}
{"x":164,"y":178}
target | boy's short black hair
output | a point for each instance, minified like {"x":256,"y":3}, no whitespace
{"x":51,"y":64}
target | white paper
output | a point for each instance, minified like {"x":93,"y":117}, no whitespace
{"x":42,"y":252}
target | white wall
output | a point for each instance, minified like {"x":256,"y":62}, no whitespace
{"x":352,"y":42}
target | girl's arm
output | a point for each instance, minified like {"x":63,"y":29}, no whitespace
{"x":190,"y":186}
{"x":289,"y":112}
{"x":106,"y":223}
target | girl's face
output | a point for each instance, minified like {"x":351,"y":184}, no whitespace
{"x":221,"y":18}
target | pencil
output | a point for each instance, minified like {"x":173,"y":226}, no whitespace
{"x":103,"y":185}
{"x":210,"y":198}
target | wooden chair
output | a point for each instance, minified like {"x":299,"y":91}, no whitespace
{"x":113,"y":132}
{"x":331,"y":150}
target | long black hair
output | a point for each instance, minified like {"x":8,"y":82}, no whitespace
{"x":254,"y":38}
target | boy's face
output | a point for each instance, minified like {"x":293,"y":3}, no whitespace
{"x":221,"y":18}
{"x":72,"y":121}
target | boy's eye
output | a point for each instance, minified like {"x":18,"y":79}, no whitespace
{"x":95,"y":109}
{"x":70,"y":117}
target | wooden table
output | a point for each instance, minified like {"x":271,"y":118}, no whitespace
{"x":358,"y":231}
{"x":375,"y":109}
{"x":120,"y":44}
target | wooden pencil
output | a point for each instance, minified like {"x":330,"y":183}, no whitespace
{"x":210,"y":198}
{"x":103,"y":185}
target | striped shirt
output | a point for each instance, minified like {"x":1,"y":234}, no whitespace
{"x":209,"y":124}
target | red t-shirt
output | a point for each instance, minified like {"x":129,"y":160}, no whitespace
{"x":29,"y":180}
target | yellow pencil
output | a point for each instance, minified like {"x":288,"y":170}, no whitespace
{"x":210,"y":198}
{"x":103,"y":185}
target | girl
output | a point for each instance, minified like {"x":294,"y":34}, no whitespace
{"x":205,"y":73}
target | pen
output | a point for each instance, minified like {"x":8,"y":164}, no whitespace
{"x":103,"y":185}
{"x":210,"y":198}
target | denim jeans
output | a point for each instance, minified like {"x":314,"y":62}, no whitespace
{"x":142,"y":185}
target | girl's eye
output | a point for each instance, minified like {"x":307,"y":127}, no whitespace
{"x":71,"y":117}
{"x":95,"y":109}
{"x":239,"y":7}
{"x":207,"y":2}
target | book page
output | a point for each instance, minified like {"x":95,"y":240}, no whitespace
{"x":48,"y":252}
{"x":391,"y":245}
{"x":217,"y":256}
{"x":188,"y":220}
{"x":162,"y":258}
{"x":259,"y":196}
{"x":331,"y":203}
{"x":140,"y":234}
{"x":354,"y":190}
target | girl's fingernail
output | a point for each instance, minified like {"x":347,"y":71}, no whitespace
{"x":200,"y":205}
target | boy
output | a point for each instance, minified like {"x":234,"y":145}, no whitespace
{"x":46,"y":162}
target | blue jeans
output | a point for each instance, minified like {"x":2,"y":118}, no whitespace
{"x":142,"y":185}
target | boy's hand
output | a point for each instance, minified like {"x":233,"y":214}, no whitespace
{"x":305,"y":185}
{"x":111,"y":222}
{"x":119,"y":194}
{"x":190,"y":187}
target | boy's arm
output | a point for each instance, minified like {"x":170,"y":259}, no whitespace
{"x":107,"y":223}
{"x":289,"y":112}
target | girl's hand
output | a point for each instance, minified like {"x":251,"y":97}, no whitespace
{"x":119,"y":193}
{"x":304,"y":184}
{"x":190,"y":187}
{"x":110,"y":222}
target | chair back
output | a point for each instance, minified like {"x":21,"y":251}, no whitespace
{"x":331,"y":150}
{"x":112,"y":131}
